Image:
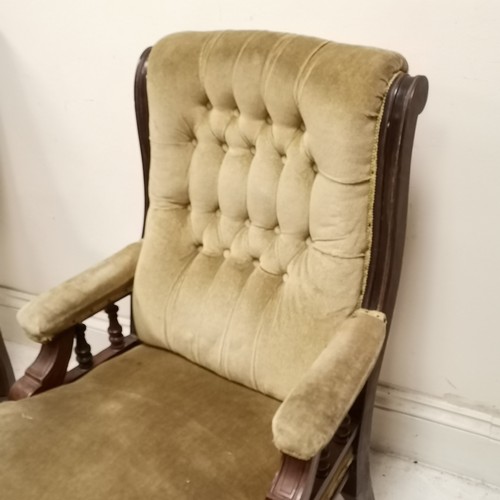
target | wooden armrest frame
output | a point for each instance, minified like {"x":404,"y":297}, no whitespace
{"x":50,"y":369}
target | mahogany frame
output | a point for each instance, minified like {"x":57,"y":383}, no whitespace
{"x":6,"y":372}
{"x":343,"y":466}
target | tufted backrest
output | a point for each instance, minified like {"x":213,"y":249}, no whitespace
{"x":263,"y":168}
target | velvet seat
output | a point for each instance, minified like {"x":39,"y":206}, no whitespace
{"x":276,"y":170}
{"x":145,"y":425}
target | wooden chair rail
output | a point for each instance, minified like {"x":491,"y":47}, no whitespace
{"x":50,"y":369}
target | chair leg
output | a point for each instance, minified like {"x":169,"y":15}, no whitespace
{"x":6,"y":373}
{"x":359,"y":484}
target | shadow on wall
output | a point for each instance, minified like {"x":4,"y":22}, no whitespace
{"x":31,"y":205}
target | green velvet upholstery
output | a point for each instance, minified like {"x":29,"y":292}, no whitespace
{"x":80,"y":297}
{"x":146,"y":425}
{"x":263,"y":149}
{"x":312,"y":412}
{"x":253,"y":266}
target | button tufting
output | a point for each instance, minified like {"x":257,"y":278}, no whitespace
{"x":283,"y":159}
{"x":209,"y":105}
{"x":252,"y":150}
{"x":236,"y":112}
{"x":225,"y":147}
{"x":188,"y":207}
{"x":309,"y":241}
{"x":277,"y":230}
{"x":285,"y":277}
{"x":247,"y":223}
{"x":255,"y":262}
{"x":217,"y":212}
{"x":303,"y":127}
{"x":269,"y":120}
{"x":315,"y":168}
{"x":194,"y":142}
{"x":226,"y":253}
{"x":199,"y":247}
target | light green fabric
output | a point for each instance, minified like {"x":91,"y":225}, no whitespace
{"x":308,"y":418}
{"x":263,"y":153}
{"x":147,"y":425}
{"x":80,"y":297}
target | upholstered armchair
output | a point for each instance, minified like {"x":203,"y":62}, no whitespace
{"x":276,"y":170}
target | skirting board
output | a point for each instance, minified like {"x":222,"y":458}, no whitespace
{"x":431,"y":430}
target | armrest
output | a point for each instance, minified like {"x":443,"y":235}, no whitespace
{"x":310,"y":415}
{"x":80,"y":297}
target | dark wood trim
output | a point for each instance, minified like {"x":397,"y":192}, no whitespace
{"x":405,"y":101}
{"x":49,"y":368}
{"x":142,"y":118}
{"x":294,"y":480}
{"x":110,"y":352}
{"x":6,"y":372}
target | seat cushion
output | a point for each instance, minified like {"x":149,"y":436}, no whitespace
{"x":146,"y":425}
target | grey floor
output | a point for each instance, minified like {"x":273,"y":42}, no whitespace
{"x":394,"y":478}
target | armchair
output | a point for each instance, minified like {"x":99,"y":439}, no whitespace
{"x":276,"y":171}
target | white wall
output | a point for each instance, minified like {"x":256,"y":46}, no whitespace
{"x":71,"y":190}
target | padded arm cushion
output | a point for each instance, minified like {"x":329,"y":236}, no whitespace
{"x":309,"y":416}
{"x":81,"y":296}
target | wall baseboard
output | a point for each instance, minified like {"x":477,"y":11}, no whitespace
{"x":449,"y":436}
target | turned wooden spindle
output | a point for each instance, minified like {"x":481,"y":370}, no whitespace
{"x":325,"y":463}
{"x":82,"y":348}
{"x":344,"y":431}
{"x":116,"y":338}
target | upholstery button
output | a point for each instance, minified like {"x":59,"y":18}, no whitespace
{"x":225,"y":147}
{"x":269,"y":120}
{"x":209,"y":105}
{"x":303,"y":126}
{"x":277,"y":230}
{"x":217,"y":212}
{"x":315,"y":168}
{"x":226,"y":253}
{"x":247,"y":223}
{"x":199,"y":247}
{"x":188,"y":207}
{"x":252,"y":150}
{"x":309,"y":241}
{"x":283,"y":159}
{"x":285,"y":277}
{"x":194,"y":142}
{"x":236,"y":112}
{"x":255,"y":262}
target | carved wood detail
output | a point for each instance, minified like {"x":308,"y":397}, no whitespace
{"x":82,"y":348}
{"x":49,"y":368}
{"x":6,"y":372}
{"x":294,"y":480}
{"x":114,"y":329}
{"x":129,"y":341}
